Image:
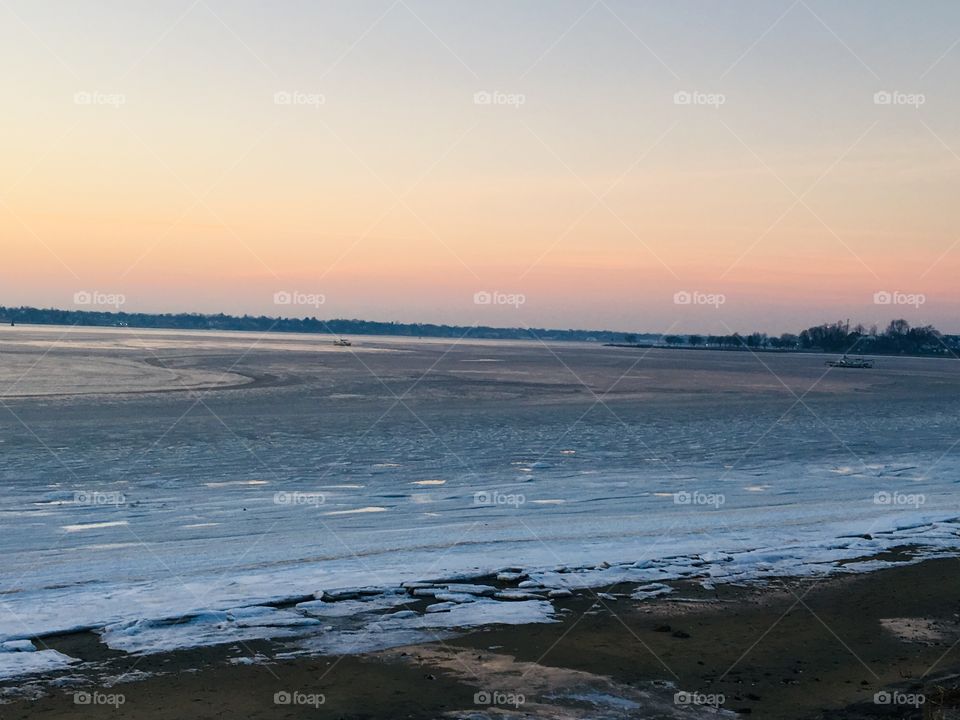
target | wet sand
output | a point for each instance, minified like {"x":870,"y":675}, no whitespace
{"x":791,"y":649}
{"x":56,"y":360}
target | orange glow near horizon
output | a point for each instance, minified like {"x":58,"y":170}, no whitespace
{"x":398,"y":197}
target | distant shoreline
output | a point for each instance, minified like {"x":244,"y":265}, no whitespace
{"x":308,"y":325}
{"x":945,"y":346}
{"x":773,"y":351}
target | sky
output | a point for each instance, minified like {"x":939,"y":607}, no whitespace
{"x":642,"y":165}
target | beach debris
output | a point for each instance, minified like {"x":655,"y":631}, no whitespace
{"x":411,"y":586}
{"x":471,"y":589}
{"x":517,"y":595}
{"x":351,"y":593}
{"x":653,"y":590}
{"x":455,"y":597}
{"x":440,"y":607}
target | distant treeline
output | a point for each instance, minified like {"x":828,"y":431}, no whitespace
{"x":898,"y":338}
{"x":262,"y":323}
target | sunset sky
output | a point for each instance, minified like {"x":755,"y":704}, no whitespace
{"x":399,"y":157}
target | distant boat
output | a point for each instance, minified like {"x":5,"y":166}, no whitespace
{"x":846,"y":362}
{"x":342,"y":342}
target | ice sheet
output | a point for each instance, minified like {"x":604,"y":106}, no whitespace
{"x":151,"y":518}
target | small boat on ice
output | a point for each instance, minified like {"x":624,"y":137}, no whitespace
{"x":846,"y":362}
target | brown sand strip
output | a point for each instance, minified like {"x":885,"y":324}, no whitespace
{"x":794,"y":649}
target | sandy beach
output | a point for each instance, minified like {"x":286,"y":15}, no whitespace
{"x":793,"y":649}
